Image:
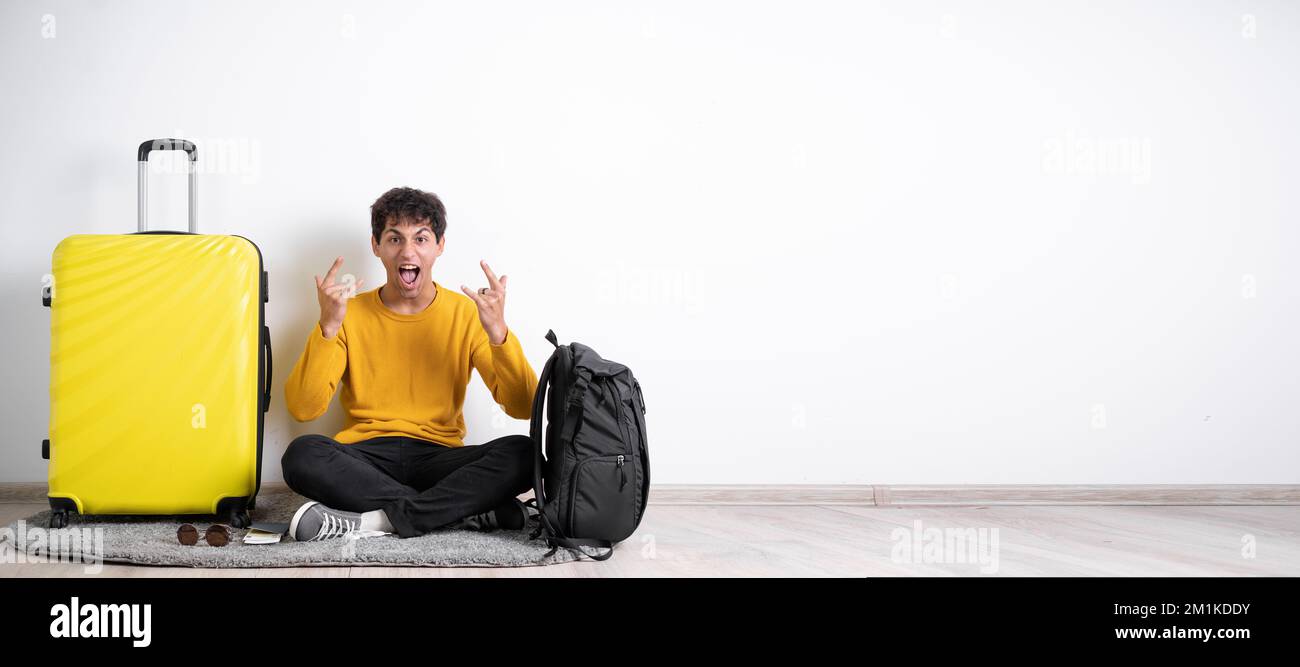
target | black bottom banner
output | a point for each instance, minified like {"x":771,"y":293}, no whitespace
{"x":1151,"y":616}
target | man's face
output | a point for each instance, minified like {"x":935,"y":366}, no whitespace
{"x":408,"y":248}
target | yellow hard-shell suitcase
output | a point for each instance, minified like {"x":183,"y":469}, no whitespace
{"x":160,"y":368}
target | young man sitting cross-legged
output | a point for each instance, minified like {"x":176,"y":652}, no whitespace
{"x":403,"y":354}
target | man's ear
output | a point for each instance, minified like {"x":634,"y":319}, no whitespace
{"x":442,"y":243}
{"x":374,"y":245}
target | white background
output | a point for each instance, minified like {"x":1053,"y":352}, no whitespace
{"x":838,"y":242}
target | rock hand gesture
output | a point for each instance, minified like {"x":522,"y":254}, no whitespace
{"x":491,"y":302}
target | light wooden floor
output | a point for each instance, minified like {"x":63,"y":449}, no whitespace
{"x":857,"y":541}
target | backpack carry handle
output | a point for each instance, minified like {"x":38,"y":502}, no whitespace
{"x":142,"y":156}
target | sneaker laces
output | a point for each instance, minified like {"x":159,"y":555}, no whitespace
{"x":480,"y":521}
{"x":334,"y":526}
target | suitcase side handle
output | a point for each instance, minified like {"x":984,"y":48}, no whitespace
{"x":142,"y":155}
{"x":266,"y":389}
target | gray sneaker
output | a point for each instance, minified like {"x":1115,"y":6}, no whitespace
{"x":314,"y":522}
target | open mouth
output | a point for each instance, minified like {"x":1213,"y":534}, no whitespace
{"x":408,"y":274}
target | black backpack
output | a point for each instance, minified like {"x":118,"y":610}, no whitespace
{"x":591,"y":480}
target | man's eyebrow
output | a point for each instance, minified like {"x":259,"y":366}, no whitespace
{"x":420,"y":230}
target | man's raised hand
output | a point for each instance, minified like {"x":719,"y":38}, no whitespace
{"x":491,"y":302}
{"x":333,"y":297}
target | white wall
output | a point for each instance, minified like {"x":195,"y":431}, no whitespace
{"x":837,"y":241}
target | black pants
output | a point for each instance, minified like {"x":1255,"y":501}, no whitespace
{"x":421,"y":485}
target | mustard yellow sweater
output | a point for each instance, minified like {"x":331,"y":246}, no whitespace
{"x":407,"y":374}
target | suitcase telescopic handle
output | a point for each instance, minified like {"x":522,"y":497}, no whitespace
{"x":191,"y":151}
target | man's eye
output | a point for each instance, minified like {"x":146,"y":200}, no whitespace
{"x":422,"y":239}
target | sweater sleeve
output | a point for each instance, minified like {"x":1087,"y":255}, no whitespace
{"x":311,"y":384}
{"x":506,"y":372}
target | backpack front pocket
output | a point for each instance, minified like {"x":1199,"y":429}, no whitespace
{"x":603,"y":498}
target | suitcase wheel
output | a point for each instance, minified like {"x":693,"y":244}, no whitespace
{"x":235,"y":511}
{"x":240,"y":519}
{"x":60,"y":510}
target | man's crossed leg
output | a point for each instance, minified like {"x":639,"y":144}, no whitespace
{"x":406,"y":485}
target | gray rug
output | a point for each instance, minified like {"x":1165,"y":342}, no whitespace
{"x":152,"y":541}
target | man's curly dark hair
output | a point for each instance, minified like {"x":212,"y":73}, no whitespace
{"x":408,"y":204}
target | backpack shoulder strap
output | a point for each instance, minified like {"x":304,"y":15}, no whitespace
{"x":535,"y":423}
{"x":535,"y":431}
{"x":535,"y":428}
